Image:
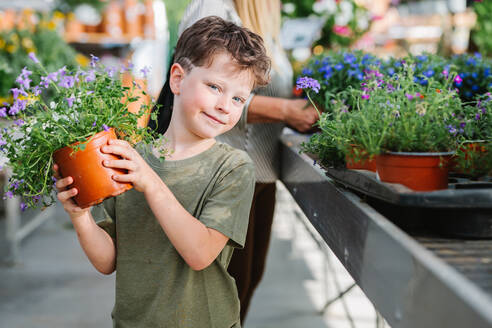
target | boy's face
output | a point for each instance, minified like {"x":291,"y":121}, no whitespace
{"x":210,"y":99}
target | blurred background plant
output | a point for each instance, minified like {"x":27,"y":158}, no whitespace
{"x":43,"y":40}
{"x":345,"y":20}
{"x":483,"y":28}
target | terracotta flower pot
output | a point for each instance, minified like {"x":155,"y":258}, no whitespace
{"x":364,"y":163}
{"x":92,"y":180}
{"x":417,"y":171}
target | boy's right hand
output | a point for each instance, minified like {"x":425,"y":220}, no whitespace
{"x":66,"y":196}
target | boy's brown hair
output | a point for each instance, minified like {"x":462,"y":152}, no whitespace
{"x":211,"y":35}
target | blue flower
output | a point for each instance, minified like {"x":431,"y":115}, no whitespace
{"x":307,"y":71}
{"x":391,"y":71}
{"x":429,"y":73}
{"x":94,"y":60}
{"x":339,"y":66}
{"x":475,"y":87}
{"x":105,"y":127}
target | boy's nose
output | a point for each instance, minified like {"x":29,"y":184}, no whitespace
{"x":223,"y":104}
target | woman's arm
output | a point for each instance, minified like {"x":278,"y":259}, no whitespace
{"x":297,"y":113}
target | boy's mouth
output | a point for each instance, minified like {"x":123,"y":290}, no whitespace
{"x":213,"y":118}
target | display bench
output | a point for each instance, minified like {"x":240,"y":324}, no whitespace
{"x":413,"y":279}
{"x":18,"y":225}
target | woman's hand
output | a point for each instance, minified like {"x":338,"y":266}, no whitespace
{"x":140,"y":174}
{"x":300,"y":114}
{"x":65,"y":196}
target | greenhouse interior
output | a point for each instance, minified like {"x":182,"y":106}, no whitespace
{"x":156,"y":110}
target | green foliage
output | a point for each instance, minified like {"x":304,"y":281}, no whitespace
{"x":16,"y":44}
{"x":483,"y":28}
{"x":83,"y":104}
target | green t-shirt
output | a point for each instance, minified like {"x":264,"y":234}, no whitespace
{"x":154,"y":285}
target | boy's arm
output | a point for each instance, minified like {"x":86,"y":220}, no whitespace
{"x":197,"y":244}
{"x":96,"y":243}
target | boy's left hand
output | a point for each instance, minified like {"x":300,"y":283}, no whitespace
{"x":140,"y":174}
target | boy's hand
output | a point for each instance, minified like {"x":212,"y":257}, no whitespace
{"x":66,"y":196}
{"x":140,"y":174}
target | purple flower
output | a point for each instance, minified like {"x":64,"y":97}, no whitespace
{"x":94,"y":60}
{"x":67,"y":82}
{"x":3,"y":112}
{"x":111,"y":71}
{"x":62,"y":71}
{"x":462,"y":125}
{"x":19,"y":122}
{"x":17,"y":107}
{"x":105,"y":127}
{"x":94,"y":124}
{"x":445,"y":73}
{"x":452,"y":130}
{"x":16,"y":92}
{"x":477,"y":116}
{"x":45,"y":82}
{"x":91,"y":76}
{"x":2,"y":142}
{"x":145,"y":71}
{"x":36,"y":90}
{"x":88,"y":93}
{"x":53,"y":76}
{"x":23,"y":206}
{"x":409,"y":96}
{"x":365,"y":96}
{"x":70,"y":101}
{"x":308,"y":83}
{"x":33,"y":57}
{"x":8,"y":194}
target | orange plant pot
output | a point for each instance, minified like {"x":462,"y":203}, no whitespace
{"x":417,"y":171}
{"x":365,"y":163}
{"x":91,"y":178}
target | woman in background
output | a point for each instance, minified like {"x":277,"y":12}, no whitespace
{"x":265,"y":114}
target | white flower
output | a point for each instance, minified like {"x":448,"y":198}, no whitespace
{"x":328,"y":6}
{"x":288,"y":7}
{"x":52,"y":105}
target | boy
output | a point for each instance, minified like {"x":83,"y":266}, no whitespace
{"x":171,"y":237}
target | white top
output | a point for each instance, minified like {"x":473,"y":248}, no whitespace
{"x":259,"y":140}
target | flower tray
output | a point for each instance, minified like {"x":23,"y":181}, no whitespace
{"x":463,"y":210}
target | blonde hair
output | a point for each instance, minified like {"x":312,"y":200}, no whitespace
{"x":263,"y":18}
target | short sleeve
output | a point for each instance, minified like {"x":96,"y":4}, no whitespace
{"x":104,"y":215}
{"x":227,"y":208}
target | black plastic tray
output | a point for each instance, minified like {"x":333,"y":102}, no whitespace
{"x":464,"y":210}
{"x":461,"y":192}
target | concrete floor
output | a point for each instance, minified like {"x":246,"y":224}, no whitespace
{"x":54,"y":285}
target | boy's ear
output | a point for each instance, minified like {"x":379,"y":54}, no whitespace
{"x":176,"y":77}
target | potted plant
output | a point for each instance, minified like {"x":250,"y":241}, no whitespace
{"x":474,"y":157}
{"x":411,"y":127}
{"x":87,"y":108}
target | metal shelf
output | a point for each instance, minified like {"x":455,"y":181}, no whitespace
{"x":410,"y":285}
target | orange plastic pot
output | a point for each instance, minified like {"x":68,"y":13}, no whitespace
{"x":365,"y":163}
{"x":91,"y":178}
{"x":417,"y":171}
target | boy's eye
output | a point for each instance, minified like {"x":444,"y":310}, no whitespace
{"x":213,"y":87}
{"x":238,"y":99}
